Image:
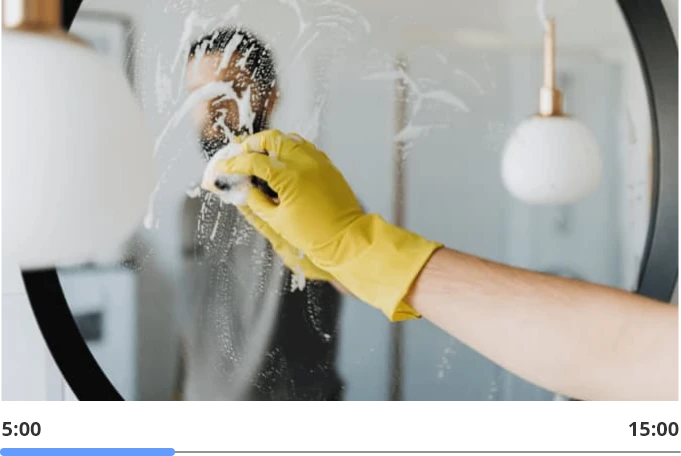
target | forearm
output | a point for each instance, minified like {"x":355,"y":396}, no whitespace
{"x":582,"y":340}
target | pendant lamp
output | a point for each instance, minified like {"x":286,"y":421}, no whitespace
{"x":551,"y":158}
{"x":77,"y":166}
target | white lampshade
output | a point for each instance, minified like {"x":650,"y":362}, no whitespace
{"x":76,"y":156}
{"x":551,"y":160}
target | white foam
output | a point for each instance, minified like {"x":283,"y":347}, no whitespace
{"x":229,"y":51}
{"x":149,"y":216}
{"x":446,"y":97}
{"x":470,"y":78}
{"x":163,"y":87}
{"x":192,"y":22}
{"x":194,"y":192}
{"x":239,"y":185}
{"x":241,"y":63}
{"x":298,"y":280}
{"x":209,"y":91}
{"x":215,"y":227}
{"x":365,"y":22}
{"x":302,"y":23}
{"x":412,"y":132}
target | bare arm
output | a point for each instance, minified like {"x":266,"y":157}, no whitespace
{"x":582,"y":340}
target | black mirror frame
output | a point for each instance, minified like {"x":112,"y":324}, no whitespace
{"x":658,"y":54}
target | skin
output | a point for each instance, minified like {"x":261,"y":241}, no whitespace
{"x":582,"y":340}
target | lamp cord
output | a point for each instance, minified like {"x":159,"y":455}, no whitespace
{"x":541,"y":15}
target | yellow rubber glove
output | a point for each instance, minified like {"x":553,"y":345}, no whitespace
{"x":293,"y":258}
{"x":318,"y":213}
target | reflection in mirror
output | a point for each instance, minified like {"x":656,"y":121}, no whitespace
{"x":414,"y":102}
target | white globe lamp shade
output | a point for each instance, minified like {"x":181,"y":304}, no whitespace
{"x":551,"y":161}
{"x":77,"y":165}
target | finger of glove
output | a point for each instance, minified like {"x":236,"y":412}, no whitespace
{"x":260,"y":225}
{"x":257,"y":165}
{"x":272,"y":142}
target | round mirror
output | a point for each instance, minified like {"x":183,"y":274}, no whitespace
{"x":415,"y":103}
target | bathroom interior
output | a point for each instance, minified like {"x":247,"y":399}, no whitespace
{"x":415,"y":102}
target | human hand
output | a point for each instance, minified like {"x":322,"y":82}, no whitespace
{"x":293,"y":258}
{"x":313,"y":188}
{"x":318,"y":212}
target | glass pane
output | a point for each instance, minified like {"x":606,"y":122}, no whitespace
{"x":414,"y":101}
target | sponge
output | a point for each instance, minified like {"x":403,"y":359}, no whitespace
{"x":232,"y":188}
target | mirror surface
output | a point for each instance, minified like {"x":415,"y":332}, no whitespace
{"x":414,"y":102}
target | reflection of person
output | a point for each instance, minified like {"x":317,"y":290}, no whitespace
{"x":582,"y":340}
{"x":254,"y":337}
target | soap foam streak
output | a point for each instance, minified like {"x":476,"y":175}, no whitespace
{"x":208,"y":91}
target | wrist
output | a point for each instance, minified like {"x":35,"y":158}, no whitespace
{"x":378,"y":262}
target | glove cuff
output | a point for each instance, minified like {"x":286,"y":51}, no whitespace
{"x":378,"y":262}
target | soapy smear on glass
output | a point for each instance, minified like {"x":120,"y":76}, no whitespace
{"x":238,"y":185}
{"x":493,"y":391}
{"x":445,"y":362}
{"x":194,"y":192}
{"x":207,"y":92}
{"x":213,"y":227}
{"x":314,"y":20}
{"x":418,"y":96}
{"x":331,"y":11}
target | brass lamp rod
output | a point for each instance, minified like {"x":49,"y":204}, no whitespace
{"x":32,"y":15}
{"x":550,"y":97}
{"x":550,"y":54}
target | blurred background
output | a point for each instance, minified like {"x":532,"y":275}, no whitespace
{"x":414,"y":102}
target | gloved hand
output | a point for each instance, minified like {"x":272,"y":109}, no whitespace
{"x":318,"y":213}
{"x":293,"y":258}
